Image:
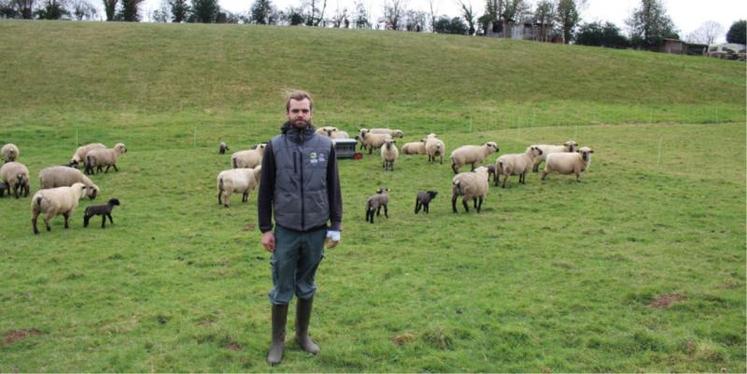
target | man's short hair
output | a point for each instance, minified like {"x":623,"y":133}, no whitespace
{"x":298,"y":95}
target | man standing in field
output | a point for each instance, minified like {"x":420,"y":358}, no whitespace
{"x":300,"y":184}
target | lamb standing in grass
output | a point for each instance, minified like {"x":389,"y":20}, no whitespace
{"x":515,"y":164}
{"x":249,"y":158}
{"x":98,"y":158}
{"x":434,"y":147}
{"x":423,"y":200}
{"x":10,"y":152}
{"x":104,"y":210}
{"x":569,"y":163}
{"x":16,"y":176}
{"x":375,"y":202}
{"x":547,"y":149}
{"x":471,"y":154}
{"x":55,"y":201}
{"x":389,"y":154}
{"x":59,"y":176}
{"x":241,"y":180}
{"x":470,"y":185}
{"x":79,"y":157}
{"x":222,"y":148}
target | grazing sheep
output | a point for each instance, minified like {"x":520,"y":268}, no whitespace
{"x":59,"y":176}
{"x":222,"y":148}
{"x":389,"y":154}
{"x":99,"y":158}
{"x":414,"y":148}
{"x":390,"y":132}
{"x":568,"y":163}
{"x":435,"y":147}
{"x":16,"y":176}
{"x":515,"y":164}
{"x":79,"y":157}
{"x":423,"y":200}
{"x":374,"y":141}
{"x":10,"y":152}
{"x":471,"y":154}
{"x":547,"y":149}
{"x":249,"y":158}
{"x":242,"y":180}
{"x":55,"y":201}
{"x":470,"y":185}
{"x":104,"y":210}
{"x":3,"y":187}
{"x":377,"y":201}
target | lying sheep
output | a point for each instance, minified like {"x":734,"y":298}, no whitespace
{"x":568,"y":163}
{"x":435,"y":147}
{"x":389,"y":154}
{"x":55,"y":201}
{"x":414,"y":148}
{"x":374,"y":141}
{"x":241,"y":180}
{"x":390,"y":132}
{"x":10,"y":152}
{"x":471,"y":154}
{"x":59,"y":176}
{"x":515,"y":164}
{"x":470,"y":185}
{"x":98,"y":158}
{"x":547,"y":149}
{"x":375,"y":202}
{"x":103,"y":210}
{"x":222,"y":148}
{"x":16,"y":176}
{"x":249,"y":158}
{"x":79,"y":157}
{"x":423,"y":200}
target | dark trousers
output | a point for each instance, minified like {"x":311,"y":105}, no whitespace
{"x":295,"y":260}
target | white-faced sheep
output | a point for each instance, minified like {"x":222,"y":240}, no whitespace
{"x":390,"y":132}
{"x":470,"y":185}
{"x":222,"y":148}
{"x":568,"y":163}
{"x":56,"y":201}
{"x":471,"y":154}
{"x":103,"y":210}
{"x":414,"y":148}
{"x":16,"y":176}
{"x":375,"y":202}
{"x":389,"y":154}
{"x":373,"y":141}
{"x":241,"y":180}
{"x":59,"y":176}
{"x":249,"y":158}
{"x":515,"y":164}
{"x":79,"y":157}
{"x":435,"y":147}
{"x":423,"y":200}
{"x":547,"y":149}
{"x":98,"y":158}
{"x":10,"y":152}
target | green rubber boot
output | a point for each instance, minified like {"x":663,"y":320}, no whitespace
{"x":303,"y":315}
{"x":279,"y":317}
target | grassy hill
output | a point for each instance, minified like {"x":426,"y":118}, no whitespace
{"x":641,"y":267}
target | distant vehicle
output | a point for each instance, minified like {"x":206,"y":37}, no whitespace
{"x":729,"y":51}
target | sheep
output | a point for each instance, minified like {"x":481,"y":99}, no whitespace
{"x":491,"y":172}
{"x":3,"y":187}
{"x":249,"y":158}
{"x":58,"y":176}
{"x":414,"y":148}
{"x":377,"y":201}
{"x":80,"y":154}
{"x":10,"y":152}
{"x":99,"y":158}
{"x":547,"y":149}
{"x":222,"y":148}
{"x":423,"y":200}
{"x":515,"y":164}
{"x":242,"y":180}
{"x":569,"y":162}
{"x":326,"y":131}
{"x":435,"y":147}
{"x":104,"y":210}
{"x":55,"y":201}
{"x":360,"y":137}
{"x":470,"y":185}
{"x":471,"y":154}
{"x":339,"y":134}
{"x":374,"y":141}
{"x":389,"y":154}
{"x":390,"y":132}
{"x":16,"y":176}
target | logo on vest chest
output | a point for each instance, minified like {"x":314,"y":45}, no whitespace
{"x":315,"y":158}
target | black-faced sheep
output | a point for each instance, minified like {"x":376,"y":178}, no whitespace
{"x":548,"y":149}
{"x":248,"y":158}
{"x":103,"y":210}
{"x":222,"y":148}
{"x":471,"y":154}
{"x":98,"y":158}
{"x":58,"y":176}
{"x":423,"y":200}
{"x":516,"y":164}
{"x":470,"y":185}
{"x":56,"y":201}
{"x":375,"y":202}
{"x":373,"y":141}
{"x":242,"y":180}
{"x":434,"y":147}
{"x":79,"y":157}
{"x":10,"y":152}
{"x":16,"y":176}
{"x":568,"y":163}
{"x":389,"y":154}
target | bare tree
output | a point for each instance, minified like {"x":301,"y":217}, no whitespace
{"x":25,"y":8}
{"x":340,"y":18}
{"x":394,"y":10}
{"x":706,"y":33}
{"x":432,"y":14}
{"x":82,"y":9}
{"x":469,"y":15}
{"x":360,"y":19}
{"x":315,"y":15}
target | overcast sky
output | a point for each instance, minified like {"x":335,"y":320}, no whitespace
{"x":687,"y":15}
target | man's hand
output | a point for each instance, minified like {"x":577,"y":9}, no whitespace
{"x":332,"y":240}
{"x":268,"y":241}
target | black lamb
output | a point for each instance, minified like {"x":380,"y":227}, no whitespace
{"x":104,"y":210}
{"x":424,"y":198}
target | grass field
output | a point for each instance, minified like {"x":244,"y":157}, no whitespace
{"x":640,"y":267}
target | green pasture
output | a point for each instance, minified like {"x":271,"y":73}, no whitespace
{"x":640,"y":267}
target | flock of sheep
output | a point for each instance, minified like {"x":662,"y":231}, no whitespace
{"x":61,"y":187}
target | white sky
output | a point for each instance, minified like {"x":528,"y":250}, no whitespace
{"x":687,"y":15}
